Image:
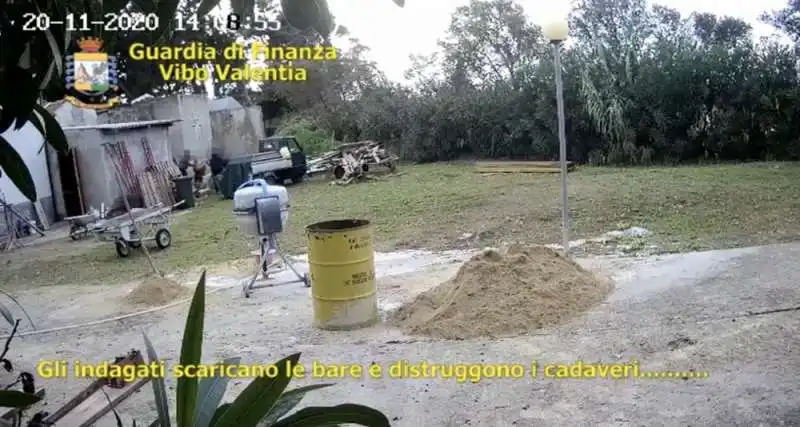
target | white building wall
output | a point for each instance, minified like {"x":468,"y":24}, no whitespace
{"x":27,"y":141}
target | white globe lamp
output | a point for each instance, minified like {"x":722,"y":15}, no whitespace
{"x":556,"y":31}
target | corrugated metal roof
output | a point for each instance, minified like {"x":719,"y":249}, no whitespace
{"x":110,"y":127}
{"x":145,"y":97}
{"x":222,"y":104}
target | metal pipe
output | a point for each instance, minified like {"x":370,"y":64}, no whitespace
{"x":562,"y":139}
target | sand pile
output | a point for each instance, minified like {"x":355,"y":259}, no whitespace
{"x":504,"y":293}
{"x":155,"y":291}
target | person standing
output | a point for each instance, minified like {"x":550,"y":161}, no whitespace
{"x":217,"y":165}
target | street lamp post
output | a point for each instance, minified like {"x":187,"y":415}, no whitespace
{"x":557,"y":32}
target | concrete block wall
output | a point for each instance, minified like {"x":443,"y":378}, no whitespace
{"x":192,"y":133}
{"x":256,"y":119}
{"x":237,"y":131}
{"x":195,"y":126}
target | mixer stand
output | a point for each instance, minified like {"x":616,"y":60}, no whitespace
{"x":268,"y":248}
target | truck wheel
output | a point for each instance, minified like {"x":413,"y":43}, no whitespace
{"x":298,"y":179}
{"x":271,"y":179}
{"x":338,"y":172}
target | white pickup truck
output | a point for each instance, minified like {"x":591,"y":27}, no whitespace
{"x":279,"y":158}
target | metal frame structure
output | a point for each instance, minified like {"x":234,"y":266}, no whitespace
{"x":268,"y":217}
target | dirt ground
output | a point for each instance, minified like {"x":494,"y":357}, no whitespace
{"x":698,"y":311}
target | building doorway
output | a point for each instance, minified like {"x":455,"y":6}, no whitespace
{"x":70,"y":183}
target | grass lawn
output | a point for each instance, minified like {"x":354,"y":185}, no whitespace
{"x":435,"y":206}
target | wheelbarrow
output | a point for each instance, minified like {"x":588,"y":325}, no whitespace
{"x":152,"y":225}
{"x":81,"y":225}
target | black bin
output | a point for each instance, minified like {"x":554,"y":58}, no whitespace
{"x":236,"y":172}
{"x":184,"y":190}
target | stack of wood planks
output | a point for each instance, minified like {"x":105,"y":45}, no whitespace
{"x":100,"y":397}
{"x":157,"y":186}
{"x":90,"y":405}
{"x":123,"y":167}
{"x":491,"y":167}
{"x":156,"y":179}
{"x":156,"y":191}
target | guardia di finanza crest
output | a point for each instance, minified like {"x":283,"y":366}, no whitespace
{"x":91,"y":76}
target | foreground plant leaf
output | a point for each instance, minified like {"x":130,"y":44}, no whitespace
{"x":348,"y":413}
{"x":287,"y":402}
{"x":191,"y":352}
{"x":6,"y":313}
{"x":25,"y":94}
{"x":243,"y":8}
{"x":256,"y":401}
{"x":218,"y":413}
{"x":324,"y":24}
{"x":210,"y":393}
{"x":206,"y":6}
{"x":301,"y":14}
{"x":14,"y":167}
{"x":57,"y":61}
{"x":114,"y":6}
{"x":50,"y":129}
{"x":159,"y":388}
{"x":113,"y":410}
{"x":166,"y":13}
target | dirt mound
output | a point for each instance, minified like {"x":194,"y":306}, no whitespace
{"x":155,"y":291}
{"x":504,"y":293}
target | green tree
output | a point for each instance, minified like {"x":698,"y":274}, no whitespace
{"x":642,"y":84}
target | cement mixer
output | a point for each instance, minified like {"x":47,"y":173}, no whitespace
{"x":262,"y":212}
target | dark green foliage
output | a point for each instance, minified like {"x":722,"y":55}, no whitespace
{"x":642,"y":85}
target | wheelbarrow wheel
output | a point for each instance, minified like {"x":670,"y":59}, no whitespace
{"x":163,"y":238}
{"x":123,"y":249}
{"x":75,"y":232}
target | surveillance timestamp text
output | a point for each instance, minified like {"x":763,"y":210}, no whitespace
{"x":148,"y":22}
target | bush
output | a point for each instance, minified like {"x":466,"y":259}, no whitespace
{"x":313,"y":139}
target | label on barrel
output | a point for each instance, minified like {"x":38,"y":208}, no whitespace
{"x":359,"y":243}
{"x":360,"y":278}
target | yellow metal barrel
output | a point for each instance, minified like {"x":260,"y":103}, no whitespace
{"x":342,"y":273}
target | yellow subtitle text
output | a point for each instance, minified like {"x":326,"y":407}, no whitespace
{"x":180,"y":63}
{"x":400,"y":369}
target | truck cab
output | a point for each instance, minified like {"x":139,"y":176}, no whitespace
{"x":279,"y":158}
